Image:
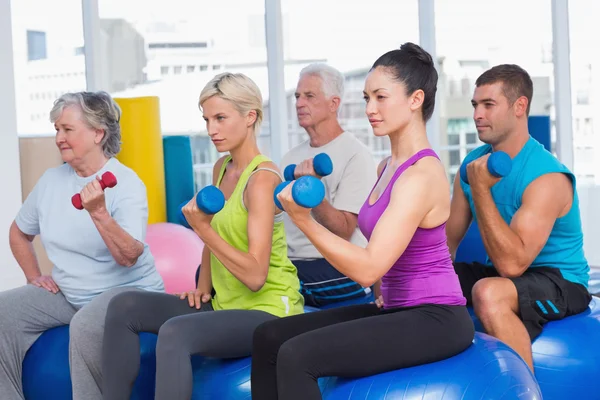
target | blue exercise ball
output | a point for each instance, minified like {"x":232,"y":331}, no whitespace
{"x":214,"y":379}
{"x":488,"y":369}
{"x":46,"y":372}
{"x":566,"y":355}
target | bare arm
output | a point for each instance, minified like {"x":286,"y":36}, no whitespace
{"x":122,"y":246}
{"x":513,"y":248}
{"x":22,"y":248}
{"x":411,"y":200}
{"x":341,"y":223}
{"x":205,"y":278}
{"x":251,"y":267}
{"x":460,"y":218}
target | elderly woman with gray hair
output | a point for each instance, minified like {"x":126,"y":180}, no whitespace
{"x":96,"y":252}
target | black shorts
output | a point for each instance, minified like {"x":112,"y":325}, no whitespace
{"x":544,"y":295}
{"x":321,"y":284}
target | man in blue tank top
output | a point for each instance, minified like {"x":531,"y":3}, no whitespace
{"x":529,"y":220}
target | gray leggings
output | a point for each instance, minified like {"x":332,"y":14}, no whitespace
{"x":26,"y":312}
{"x":182,"y":332}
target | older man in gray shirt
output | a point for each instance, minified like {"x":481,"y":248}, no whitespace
{"x":318,"y":98}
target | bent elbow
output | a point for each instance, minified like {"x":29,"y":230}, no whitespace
{"x":511,"y":270}
{"x":257,"y":283}
{"x":367,"y":280}
{"x":129,"y":260}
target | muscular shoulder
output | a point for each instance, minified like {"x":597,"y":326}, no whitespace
{"x":556,"y":186}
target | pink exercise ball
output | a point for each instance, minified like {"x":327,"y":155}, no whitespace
{"x":177,"y":252}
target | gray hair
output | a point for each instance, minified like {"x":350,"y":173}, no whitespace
{"x":100,"y":111}
{"x":332,"y":80}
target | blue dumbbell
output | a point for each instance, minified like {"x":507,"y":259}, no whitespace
{"x":321,"y":163}
{"x":210,"y":200}
{"x":499,"y":164}
{"x":307,"y":192}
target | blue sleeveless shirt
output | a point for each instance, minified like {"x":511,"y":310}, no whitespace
{"x":564,"y":248}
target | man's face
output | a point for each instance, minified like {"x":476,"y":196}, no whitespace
{"x":312,"y":106}
{"x":493,"y":114}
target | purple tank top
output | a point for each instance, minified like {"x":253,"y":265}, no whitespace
{"x":424,"y":273}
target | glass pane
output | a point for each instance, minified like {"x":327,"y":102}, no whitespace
{"x":473,"y":36}
{"x":172,"y":49}
{"x":349,"y":36}
{"x":48,"y":57}
{"x":585,"y":85}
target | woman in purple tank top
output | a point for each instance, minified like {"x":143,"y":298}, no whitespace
{"x":420,"y":314}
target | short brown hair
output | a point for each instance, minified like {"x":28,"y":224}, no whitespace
{"x":516,"y":82}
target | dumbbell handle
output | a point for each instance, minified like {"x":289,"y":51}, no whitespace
{"x":307,"y":192}
{"x":322,"y":165}
{"x":108,"y":180}
{"x":499,"y":165}
{"x":210,"y":200}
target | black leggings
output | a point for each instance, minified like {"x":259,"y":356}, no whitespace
{"x":291,"y":353}
{"x":182,"y":332}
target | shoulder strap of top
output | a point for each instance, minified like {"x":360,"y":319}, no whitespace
{"x":412,"y":160}
{"x":222,"y":171}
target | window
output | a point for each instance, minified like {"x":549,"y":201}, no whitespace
{"x":468,"y":42}
{"x":471,"y":138}
{"x":172,"y":49}
{"x":356,"y":35}
{"x":36,"y":45}
{"x":45,"y":52}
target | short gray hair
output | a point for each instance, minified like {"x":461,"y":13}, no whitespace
{"x":332,"y":80}
{"x":100,"y":111}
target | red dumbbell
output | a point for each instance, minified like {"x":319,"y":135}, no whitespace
{"x":108,"y":180}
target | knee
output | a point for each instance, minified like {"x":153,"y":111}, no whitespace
{"x":121,"y":307}
{"x":267,"y":338}
{"x":291,"y":359}
{"x":491,"y":296}
{"x":171,"y":337}
{"x":84,"y":327}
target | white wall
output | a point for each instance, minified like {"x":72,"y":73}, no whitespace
{"x":10,"y":197}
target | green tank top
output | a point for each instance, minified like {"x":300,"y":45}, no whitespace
{"x":280,"y":294}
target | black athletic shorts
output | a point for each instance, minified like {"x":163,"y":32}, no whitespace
{"x":321,"y":284}
{"x":544,"y":295}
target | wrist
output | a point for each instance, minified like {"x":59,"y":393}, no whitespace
{"x":100,"y":214}
{"x":304,"y":222}
{"x":202,"y":229}
{"x":31,"y":277}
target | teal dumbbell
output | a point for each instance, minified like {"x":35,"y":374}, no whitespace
{"x":307,"y":192}
{"x":210,"y":200}
{"x":321,"y":163}
{"x":499,"y":164}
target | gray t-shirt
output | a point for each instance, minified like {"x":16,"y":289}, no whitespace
{"x":346,"y":189}
{"x":82,"y":264}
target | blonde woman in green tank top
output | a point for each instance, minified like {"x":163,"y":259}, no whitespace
{"x":244,"y":260}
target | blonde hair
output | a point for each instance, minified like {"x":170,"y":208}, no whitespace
{"x":238,"y":89}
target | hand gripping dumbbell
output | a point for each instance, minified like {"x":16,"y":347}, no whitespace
{"x":499,"y":164}
{"x":307,"y":191}
{"x":210,"y":200}
{"x":322,"y":165}
{"x":107,"y":180}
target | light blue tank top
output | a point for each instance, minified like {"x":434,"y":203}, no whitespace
{"x":564,"y":248}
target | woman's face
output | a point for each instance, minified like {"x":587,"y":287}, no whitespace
{"x":226,"y":127}
{"x":388,"y":107}
{"x":74,"y":137}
